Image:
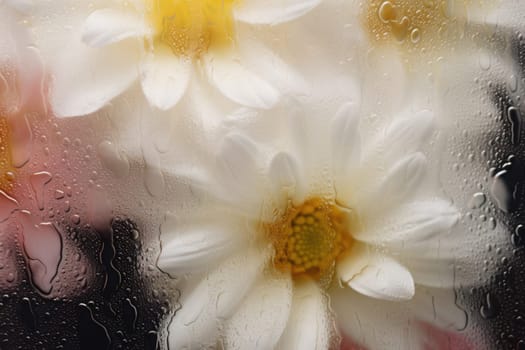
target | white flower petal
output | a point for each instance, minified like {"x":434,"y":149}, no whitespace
{"x":199,"y":182}
{"x":238,"y":171}
{"x":376,"y":324}
{"x":273,"y":11}
{"x":99,"y":76}
{"x":216,"y":187}
{"x":385,"y":78}
{"x":404,"y":177}
{"x":310,"y":144}
{"x":346,"y":142}
{"x":384,"y":279}
{"x":309,"y":326}
{"x":237,"y":83}
{"x":441,"y":260}
{"x":196,"y":249}
{"x":283,"y":170}
{"x":153,"y":175}
{"x":285,"y":177}
{"x":266,"y":63}
{"x":401,"y":181}
{"x":301,"y":133}
{"x":412,"y":223}
{"x":165,"y":78}
{"x":250,"y":266}
{"x":376,"y":275}
{"x":216,"y":297}
{"x":407,"y":135}
{"x":433,"y":272}
{"x":354,"y":262}
{"x":262,"y":318}
{"x":192,"y":326}
{"x":107,"y":26}
{"x":237,"y":154}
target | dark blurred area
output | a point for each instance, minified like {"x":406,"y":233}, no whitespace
{"x":498,"y":309}
{"x":119,"y":309}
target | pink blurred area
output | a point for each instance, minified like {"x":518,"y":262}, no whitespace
{"x":349,"y":344}
{"x":44,"y":196}
{"x":439,"y":339}
{"x":434,"y":338}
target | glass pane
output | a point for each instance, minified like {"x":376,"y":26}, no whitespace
{"x":280,"y":174}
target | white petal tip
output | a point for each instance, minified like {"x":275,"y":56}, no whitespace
{"x":378,"y":277}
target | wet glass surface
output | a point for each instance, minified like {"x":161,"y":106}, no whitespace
{"x":286,"y":174}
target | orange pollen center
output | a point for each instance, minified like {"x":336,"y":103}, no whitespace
{"x":309,"y":238}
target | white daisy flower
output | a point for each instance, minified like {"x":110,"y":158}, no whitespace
{"x":288,"y":236}
{"x":96,"y":50}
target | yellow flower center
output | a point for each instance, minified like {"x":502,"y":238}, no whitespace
{"x":420,"y":25}
{"x":190,"y":27}
{"x":309,"y":238}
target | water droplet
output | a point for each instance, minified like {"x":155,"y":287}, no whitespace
{"x":484,"y":60}
{"x":27,"y":314}
{"x":129,"y":314}
{"x":93,"y":335}
{"x":518,"y":237}
{"x":489,"y":308}
{"x":38,"y":182}
{"x":42,"y":245}
{"x":75,"y":219}
{"x":152,"y":341}
{"x":477,"y":200}
{"x":8,"y":206}
{"x":387,"y":12}
{"x":503,"y":191}
{"x":59,"y":194}
{"x":153,"y":177}
{"x":513,"y":115}
{"x":10,"y":277}
{"x":415,"y":35}
{"x":21,"y":138}
{"x":492,"y":223}
{"x":513,"y":83}
{"x":113,"y":277}
{"x":113,"y":159}
{"x":400,"y":28}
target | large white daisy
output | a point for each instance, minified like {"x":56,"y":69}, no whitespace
{"x":97,"y":49}
{"x":289,"y":235}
